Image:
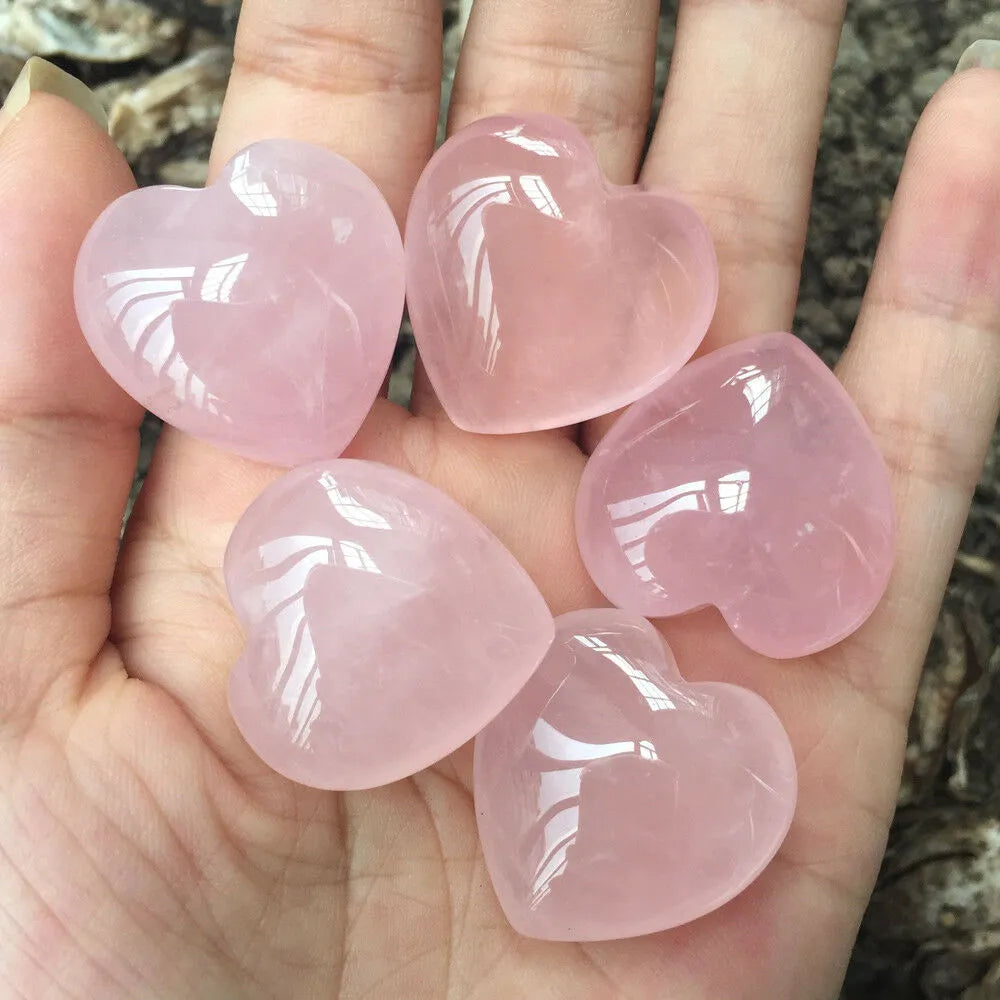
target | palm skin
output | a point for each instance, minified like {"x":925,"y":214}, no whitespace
{"x":145,"y":851}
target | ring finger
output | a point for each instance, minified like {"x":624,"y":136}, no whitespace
{"x":737,"y":137}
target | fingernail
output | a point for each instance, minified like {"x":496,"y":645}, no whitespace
{"x":984,"y":54}
{"x":39,"y":76}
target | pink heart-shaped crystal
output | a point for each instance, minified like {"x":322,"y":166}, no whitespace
{"x":614,"y":799}
{"x":259,"y":314}
{"x":749,"y":482}
{"x":386,"y":626}
{"x":540,"y":294}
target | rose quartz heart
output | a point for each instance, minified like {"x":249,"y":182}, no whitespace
{"x":386,"y":626}
{"x":259,"y":314}
{"x":614,"y":799}
{"x":540,"y":294}
{"x":750,"y":482}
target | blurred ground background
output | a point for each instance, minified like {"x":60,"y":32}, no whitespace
{"x":933,"y":929}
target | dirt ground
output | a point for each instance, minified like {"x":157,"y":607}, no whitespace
{"x":933,"y":929}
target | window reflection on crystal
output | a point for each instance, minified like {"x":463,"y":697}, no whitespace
{"x":555,"y":787}
{"x":350,"y":508}
{"x":657,"y":699}
{"x":632,"y":533}
{"x":282,"y":595}
{"x":734,"y":491}
{"x":758,"y":389}
{"x":559,"y":787}
{"x":558,"y":836}
{"x":140,"y":302}
{"x":125,"y":288}
{"x":465,"y":224}
{"x":633,"y":520}
{"x":463,"y":218}
{"x":286,"y":190}
{"x":516,"y":137}
{"x":286,"y":564}
{"x":467,"y":202}
{"x":540,"y":195}
{"x":221,"y":277}
{"x":356,"y":557}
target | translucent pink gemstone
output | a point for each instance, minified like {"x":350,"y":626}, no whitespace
{"x":540,"y":294}
{"x":386,"y":626}
{"x":749,"y":482}
{"x":614,"y":799}
{"x":259,"y":314}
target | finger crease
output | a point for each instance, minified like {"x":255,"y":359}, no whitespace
{"x":827,"y":15}
{"x":321,"y":60}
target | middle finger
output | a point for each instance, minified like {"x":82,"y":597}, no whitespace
{"x":590,"y":62}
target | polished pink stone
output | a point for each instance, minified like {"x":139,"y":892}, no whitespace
{"x":259,"y":314}
{"x":749,"y":482}
{"x":540,"y":294}
{"x":386,"y":626}
{"x":614,"y":799}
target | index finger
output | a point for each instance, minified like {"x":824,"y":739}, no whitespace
{"x":362,"y":79}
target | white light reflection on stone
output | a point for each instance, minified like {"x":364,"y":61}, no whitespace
{"x":559,"y":788}
{"x":757,"y":388}
{"x":350,"y":508}
{"x":516,"y":137}
{"x":140,"y":302}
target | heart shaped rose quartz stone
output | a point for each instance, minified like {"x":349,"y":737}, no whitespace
{"x":386,"y":626}
{"x":614,"y":799}
{"x":259,"y":314}
{"x":749,"y":482}
{"x":540,"y":294}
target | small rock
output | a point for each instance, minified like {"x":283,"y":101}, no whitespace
{"x":108,"y":31}
{"x":146,"y":111}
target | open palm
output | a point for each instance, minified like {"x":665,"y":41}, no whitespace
{"x":144,"y":851}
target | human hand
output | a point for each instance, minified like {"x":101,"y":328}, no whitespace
{"x":146,"y":852}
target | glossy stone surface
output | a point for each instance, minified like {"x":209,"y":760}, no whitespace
{"x":259,"y":314}
{"x":540,"y":294}
{"x":749,"y":482}
{"x":614,"y":799}
{"x":386,"y":626}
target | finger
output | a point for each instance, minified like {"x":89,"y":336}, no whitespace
{"x":68,"y":434}
{"x":737,"y":136}
{"x":361,"y":78}
{"x":924,"y":367}
{"x":924,"y":362}
{"x":590,"y":62}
